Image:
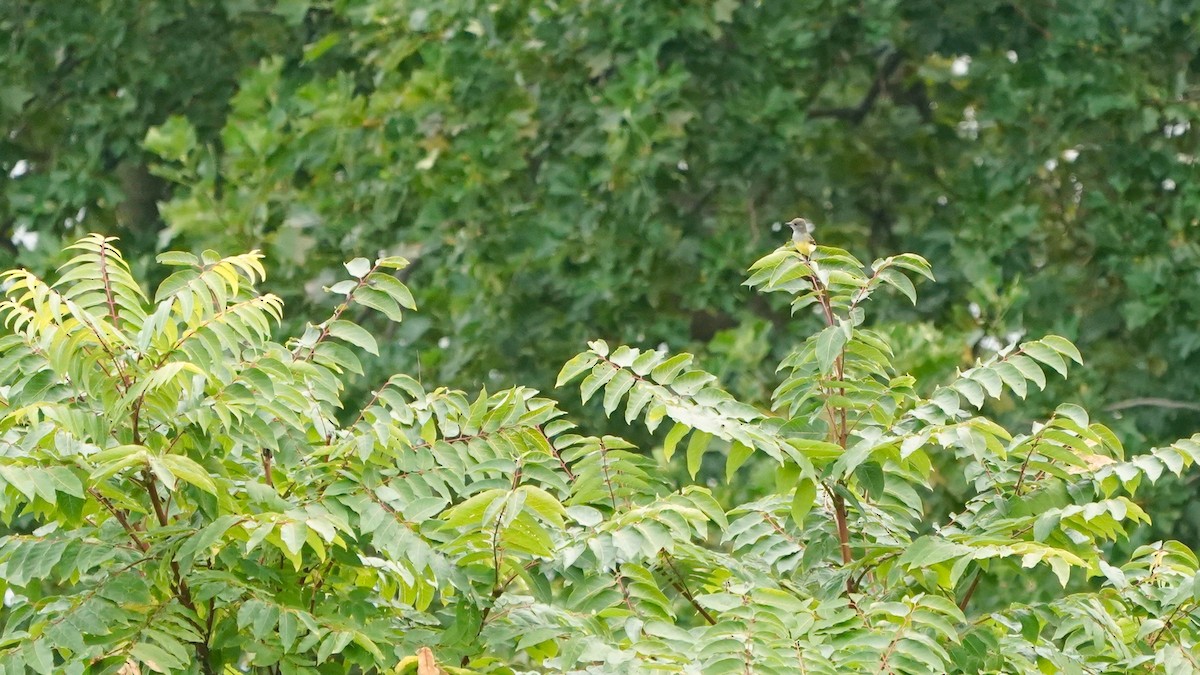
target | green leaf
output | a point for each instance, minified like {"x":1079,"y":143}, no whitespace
{"x":1012,"y":377}
{"x":355,"y":335}
{"x":1062,"y":570}
{"x":379,"y":301}
{"x":359,"y":267}
{"x":118,"y":459}
{"x":642,"y":393}
{"x":155,"y":658}
{"x":645,"y":362}
{"x":289,"y":628}
{"x":871,"y":476}
{"x":578,"y":365}
{"x":1030,"y":370}
{"x":787,"y":476}
{"x":64,"y":481}
{"x":738,"y":454}
{"x":601,"y":374}
{"x":177,"y":258}
{"x":616,"y":389}
{"x":585,"y":515}
{"x":971,"y":390}
{"x":293,"y":534}
{"x":931,"y":550}
{"x":697,"y":444}
{"x":913,"y":263}
{"x":1045,"y":525}
{"x":162,"y":472}
{"x":188,"y":470}
{"x":820,"y":451}
{"x":665,"y":372}
{"x":1046,"y":355}
{"x":393,"y":262}
{"x":40,"y":658}
{"x":900,"y":282}
{"x":1063,"y":346}
{"x":19,"y":477}
{"x":343,"y":287}
{"x":471,"y":510}
{"x":198,"y":545}
{"x":676,"y":433}
{"x":544,"y":504}
{"x":394,"y":288}
{"x":803,"y":500}
{"x":829,"y":347}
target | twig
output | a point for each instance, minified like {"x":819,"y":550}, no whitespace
{"x":120,"y":516}
{"x":1166,"y":624}
{"x":1152,"y":402}
{"x":1032,"y":451}
{"x":312,"y":602}
{"x":1029,"y":20}
{"x":681,"y":586}
{"x":962,"y":604}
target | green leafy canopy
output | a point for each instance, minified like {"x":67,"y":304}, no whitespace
{"x":206,"y":504}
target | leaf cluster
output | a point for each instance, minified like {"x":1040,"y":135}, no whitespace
{"x":205,"y":502}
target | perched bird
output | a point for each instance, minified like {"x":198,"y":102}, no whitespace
{"x":802,"y":236}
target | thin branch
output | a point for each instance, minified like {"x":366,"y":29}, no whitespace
{"x":1032,"y":451}
{"x":121,"y":518}
{"x":1152,"y":402}
{"x":312,"y":602}
{"x":873,"y":565}
{"x":554,"y":451}
{"x":839,"y":510}
{"x":966,"y":599}
{"x":337,"y":314}
{"x":182,"y":592}
{"x":681,"y":585}
{"x":374,"y":397}
{"x":155,"y":500}
{"x":1166,"y":624}
{"x":497,"y":552}
{"x":625,"y":593}
{"x":838,"y":435}
{"x":612,"y":495}
{"x":843,"y":532}
{"x":1029,"y":20}
{"x":217,"y":315}
{"x":107,"y":284}
{"x":891,"y":648}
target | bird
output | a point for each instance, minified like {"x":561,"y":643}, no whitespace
{"x":802,"y":236}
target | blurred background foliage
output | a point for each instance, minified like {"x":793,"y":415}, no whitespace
{"x":560,"y":171}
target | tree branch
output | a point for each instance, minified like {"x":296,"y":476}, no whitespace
{"x":856,"y":114}
{"x":966,"y":599}
{"x":121,"y":518}
{"x":1152,"y":402}
{"x":681,"y":585}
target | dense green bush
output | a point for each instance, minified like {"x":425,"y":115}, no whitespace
{"x":205,"y":504}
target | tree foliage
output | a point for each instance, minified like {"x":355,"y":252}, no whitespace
{"x":206,"y":502}
{"x":610,"y":165}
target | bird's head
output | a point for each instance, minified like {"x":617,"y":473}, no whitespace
{"x":801,"y":228}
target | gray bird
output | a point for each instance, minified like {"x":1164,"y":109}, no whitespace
{"x":802,"y":236}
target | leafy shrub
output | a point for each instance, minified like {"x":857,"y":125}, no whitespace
{"x":205,"y":504}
